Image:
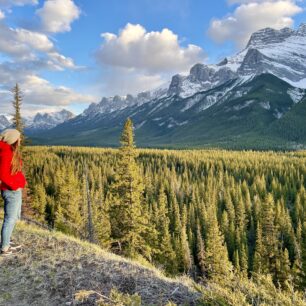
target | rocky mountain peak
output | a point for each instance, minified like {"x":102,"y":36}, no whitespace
{"x":201,"y":72}
{"x":269,"y":36}
{"x":175,"y":85}
{"x":223,"y":62}
{"x":49,"y":120}
{"x":301,"y":31}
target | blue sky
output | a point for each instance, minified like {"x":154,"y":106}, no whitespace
{"x":69,"y":53}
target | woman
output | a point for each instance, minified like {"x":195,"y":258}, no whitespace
{"x":12,"y":181}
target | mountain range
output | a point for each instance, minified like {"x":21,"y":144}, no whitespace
{"x":40,"y":122}
{"x":253,"y":99}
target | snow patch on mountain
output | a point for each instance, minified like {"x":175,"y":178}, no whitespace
{"x":296,"y":94}
{"x":265,"y":105}
{"x":172,"y":123}
{"x":243,"y":105}
{"x":277,"y":114}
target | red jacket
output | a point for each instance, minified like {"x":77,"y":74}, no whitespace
{"x":7,"y":180}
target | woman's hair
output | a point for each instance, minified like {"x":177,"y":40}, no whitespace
{"x":16,"y":160}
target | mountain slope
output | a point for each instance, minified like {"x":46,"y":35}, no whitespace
{"x":53,"y":268}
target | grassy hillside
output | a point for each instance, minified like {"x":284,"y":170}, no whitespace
{"x":55,"y":269}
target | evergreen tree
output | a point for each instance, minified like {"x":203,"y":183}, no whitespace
{"x":303,"y":258}
{"x":269,"y":235}
{"x":17,"y":102}
{"x":166,"y":255}
{"x":258,"y":255}
{"x":129,"y":222}
{"x":217,"y":263}
{"x":200,"y":252}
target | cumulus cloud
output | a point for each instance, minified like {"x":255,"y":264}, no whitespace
{"x":22,"y":43}
{"x":33,"y":49}
{"x":249,"y":1}
{"x":57,"y":15}
{"x":39,"y":91}
{"x":39,"y":94}
{"x":24,"y":55}
{"x":9,"y":3}
{"x":251,"y":16}
{"x":153,"y":52}
{"x":122,"y":81}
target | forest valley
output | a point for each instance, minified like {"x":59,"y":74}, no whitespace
{"x":210,"y":214}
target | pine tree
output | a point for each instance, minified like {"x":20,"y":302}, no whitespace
{"x":258,"y":255}
{"x":283,"y":269}
{"x":200,"y":252}
{"x":39,"y":202}
{"x":68,"y":216}
{"x":101,"y":221}
{"x":269,"y":235}
{"x":166,"y":255}
{"x":90,"y":225}
{"x":303,"y":258}
{"x":185,"y":249}
{"x":17,"y":102}
{"x":218,"y":265}
{"x":129,"y":222}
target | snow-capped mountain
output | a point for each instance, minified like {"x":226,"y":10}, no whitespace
{"x":259,"y":94}
{"x":111,"y":104}
{"x":279,"y":52}
{"x":45,"y":121}
{"x":41,"y":121}
{"x":4,"y":122}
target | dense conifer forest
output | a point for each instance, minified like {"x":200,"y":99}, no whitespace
{"x":206,"y":213}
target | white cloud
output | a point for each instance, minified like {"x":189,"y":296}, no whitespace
{"x":152,"y":52}
{"x":38,"y":91}
{"x":10,"y":3}
{"x":22,"y":43}
{"x":2,"y":16}
{"x":24,"y":55}
{"x":34,"y":49}
{"x":136,"y":60}
{"x":57,"y":15}
{"x":122,"y":81}
{"x":249,"y":1}
{"x":251,"y":16}
{"x":39,"y":94}
{"x":60,"y":62}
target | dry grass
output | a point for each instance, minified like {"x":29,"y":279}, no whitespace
{"x":53,"y":268}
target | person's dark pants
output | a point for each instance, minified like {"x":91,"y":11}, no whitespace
{"x":12,"y":211}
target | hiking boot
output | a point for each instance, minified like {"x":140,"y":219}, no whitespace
{"x":10,"y":251}
{"x":15,"y":246}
